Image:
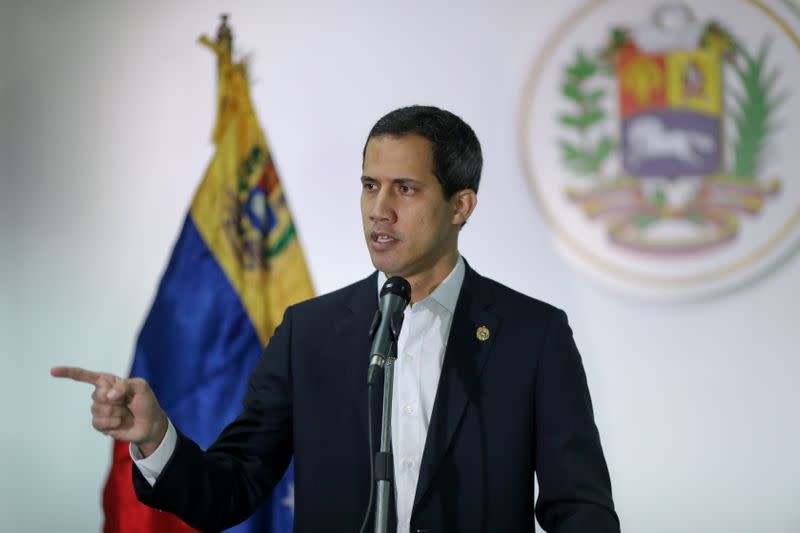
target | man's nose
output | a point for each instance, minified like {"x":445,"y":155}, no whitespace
{"x":383,"y":207}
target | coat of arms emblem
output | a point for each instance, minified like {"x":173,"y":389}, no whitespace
{"x":666,"y":165}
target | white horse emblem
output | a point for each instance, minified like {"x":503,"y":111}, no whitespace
{"x":649,"y":138}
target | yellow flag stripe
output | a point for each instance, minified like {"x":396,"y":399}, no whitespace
{"x":241,"y":212}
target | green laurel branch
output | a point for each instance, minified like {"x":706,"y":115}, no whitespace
{"x":755,"y":104}
{"x":584,"y":156}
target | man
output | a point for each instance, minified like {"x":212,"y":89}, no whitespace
{"x":489,"y":386}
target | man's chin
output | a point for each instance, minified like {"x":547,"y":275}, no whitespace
{"x":383,"y":264}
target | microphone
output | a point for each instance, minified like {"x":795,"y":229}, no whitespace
{"x":385,"y":328}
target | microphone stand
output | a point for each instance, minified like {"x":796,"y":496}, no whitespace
{"x":384,"y":465}
{"x":383,"y":473}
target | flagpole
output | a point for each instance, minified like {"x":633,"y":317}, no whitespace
{"x":224,"y":34}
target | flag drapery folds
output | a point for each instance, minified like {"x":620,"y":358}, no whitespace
{"x":235,"y":267}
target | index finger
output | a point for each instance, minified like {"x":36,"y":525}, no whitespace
{"x":75,"y":373}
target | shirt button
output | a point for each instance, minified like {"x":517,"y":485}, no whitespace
{"x":409,"y":409}
{"x":408,"y":464}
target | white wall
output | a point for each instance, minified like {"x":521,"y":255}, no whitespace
{"x":106,"y":110}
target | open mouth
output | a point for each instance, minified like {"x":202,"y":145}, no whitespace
{"x":382,"y":239}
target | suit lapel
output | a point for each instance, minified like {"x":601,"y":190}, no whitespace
{"x":463,"y":364}
{"x":352,"y":336}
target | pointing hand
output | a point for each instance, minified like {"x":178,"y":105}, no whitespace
{"x":125,"y":409}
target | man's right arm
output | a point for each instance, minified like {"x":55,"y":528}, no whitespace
{"x":213,"y":489}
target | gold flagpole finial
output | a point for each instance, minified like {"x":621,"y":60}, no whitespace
{"x":224,"y":35}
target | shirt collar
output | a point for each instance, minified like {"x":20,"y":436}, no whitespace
{"x":446,"y":293}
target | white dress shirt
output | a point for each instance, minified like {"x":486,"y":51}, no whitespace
{"x":420,"y":349}
{"x":152,"y":465}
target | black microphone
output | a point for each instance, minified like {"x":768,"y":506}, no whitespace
{"x":385,"y":328}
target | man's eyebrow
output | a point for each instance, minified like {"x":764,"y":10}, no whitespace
{"x":406,"y":181}
{"x":396,"y":181}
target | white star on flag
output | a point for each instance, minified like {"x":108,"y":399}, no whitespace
{"x":288,"y":500}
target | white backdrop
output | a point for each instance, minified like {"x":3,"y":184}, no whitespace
{"x":105,"y":113}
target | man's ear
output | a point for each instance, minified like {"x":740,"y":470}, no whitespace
{"x":463,"y":202}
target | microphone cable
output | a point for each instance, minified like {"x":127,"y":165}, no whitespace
{"x":372,"y":481}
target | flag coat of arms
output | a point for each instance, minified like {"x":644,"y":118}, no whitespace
{"x":235,"y":267}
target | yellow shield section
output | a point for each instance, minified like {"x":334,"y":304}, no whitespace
{"x":694,"y":81}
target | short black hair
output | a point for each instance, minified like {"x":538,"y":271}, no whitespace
{"x":457,"y":158}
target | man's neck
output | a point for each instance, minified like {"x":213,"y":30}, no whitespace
{"x":424,"y":283}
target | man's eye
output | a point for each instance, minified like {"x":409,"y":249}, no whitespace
{"x":405,"y":189}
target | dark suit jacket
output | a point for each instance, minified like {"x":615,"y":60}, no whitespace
{"x":505,"y":407}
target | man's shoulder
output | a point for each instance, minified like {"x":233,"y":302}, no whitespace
{"x":354,"y":292}
{"x":504,"y":296}
{"x":524,"y":318}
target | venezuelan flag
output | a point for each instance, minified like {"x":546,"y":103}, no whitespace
{"x":235,"y":268}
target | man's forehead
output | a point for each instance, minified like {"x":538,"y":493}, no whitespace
{"x":403,"y":151}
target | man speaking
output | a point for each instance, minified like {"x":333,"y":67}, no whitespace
{"x":488,"y":388}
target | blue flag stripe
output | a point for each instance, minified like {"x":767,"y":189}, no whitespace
{"x":196,"y":349}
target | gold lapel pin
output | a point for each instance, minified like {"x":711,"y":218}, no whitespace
{"x":482,"y":333}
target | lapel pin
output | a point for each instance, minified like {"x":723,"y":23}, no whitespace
{"x":482,"y":333}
